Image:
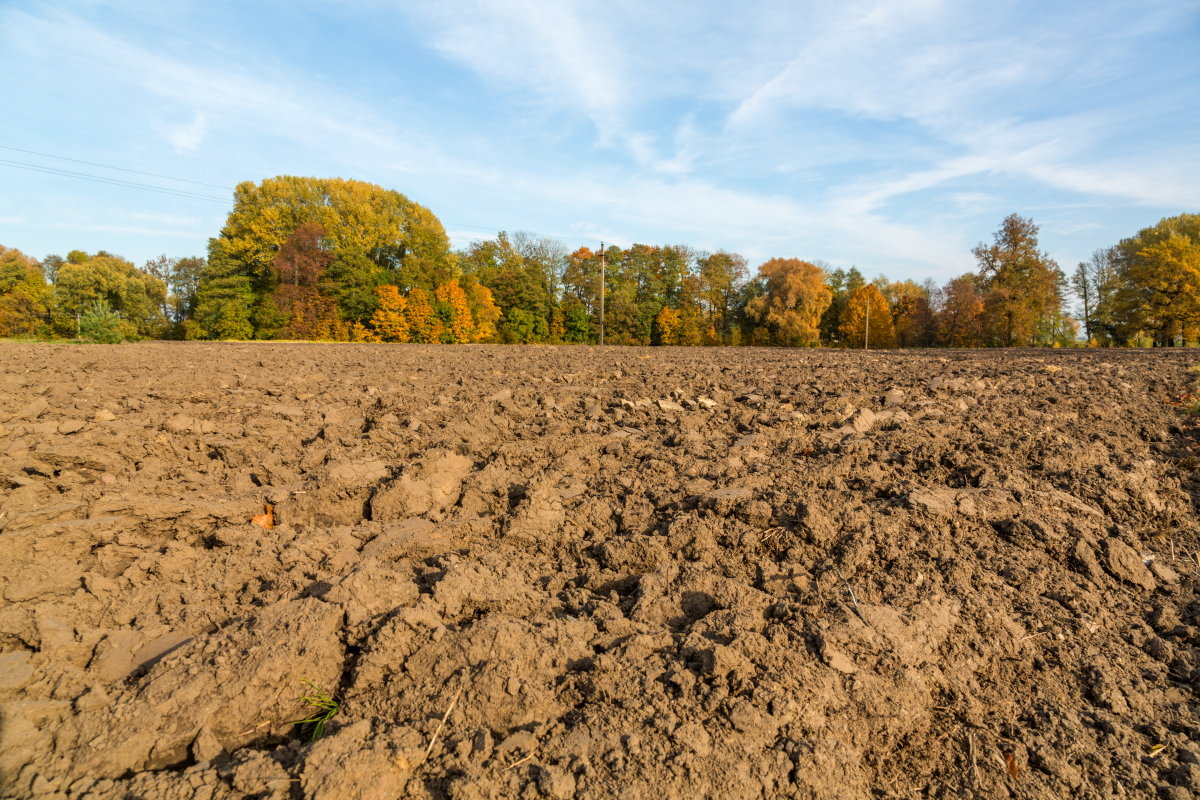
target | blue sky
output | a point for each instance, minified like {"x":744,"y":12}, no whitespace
{"x":892,"y":134}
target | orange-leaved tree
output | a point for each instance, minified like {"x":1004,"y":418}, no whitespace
{"x":484,"y":310}
{"x":424,"y":326}
{"x":912,"y":314}
{"x":667,"y":324}
{"x":311,"y":316}
{"x":390,"y":320}
{"x":458,"y":326}
{"x":960,"y":318}
{"x":794,"y":298}
{"x":693,"y":326}
{"x":867,"y":319}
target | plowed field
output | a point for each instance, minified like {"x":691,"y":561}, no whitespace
{"x":577,"y":572}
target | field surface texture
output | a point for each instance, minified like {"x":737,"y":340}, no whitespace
{"x":596,"y":573}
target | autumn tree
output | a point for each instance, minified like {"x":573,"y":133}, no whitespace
{"x":371,"y":235}
{"x":390,"y":319}
{"x":667,"y":325}
{"x":960,"y":318}
{"x":25,"y":298}
{"x":1157,"y":282}
{"x":183,"y":283}
{"x":522,"y":272}
{"x":625,"y":321}
{"x":639,"y":281}
{"x":793,"y":300}
{"x":912,"y":314}
{"x":484,"y":311}
{"x":424,"y":325}
{"x":1084,"y":286}
{"x":50,"y":265}
{"x":651,"y":277}
{"x":298,"y":268}
{"x":867,"y":319}
{"x":356,"y":217}
{"x":1021,"y":285}
{"x":581,"y":279}
{"x":581,"y":294}
{"x":628,"y":309}
{"x":313,"y":317}
{"x":351,"y":281}
{"x":576,"y":320}
{"x":841,"y":283}
{"x":302,"y":258}
{"x":86,"y":283}
{"x":457,"y":325}
{"x":696,"y":327}
{"x":720,"y":276}
{"x":182,"y":278}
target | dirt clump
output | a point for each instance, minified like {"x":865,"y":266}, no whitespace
{"x":596,"y":572}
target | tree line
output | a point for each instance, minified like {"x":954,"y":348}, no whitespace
{"x":343,"y":260}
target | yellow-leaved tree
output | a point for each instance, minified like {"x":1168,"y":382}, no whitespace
{"x":390,"y":320}
{"x":25,"y":298}
{"x":355,"y":217}
{"x":667,"y":324}
{"x":1158,"y":283}
{"x":423,"y":324}
{"x":867,"y":319}
{"x":368,"y":235}
{"x":459,"y":327}
{"x":793,"y":300}
{"x":484,"y":310}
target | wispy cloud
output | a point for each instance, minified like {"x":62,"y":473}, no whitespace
{"x":878,"y":132}
{"x":550,"y":51}
{"x":877,"y":59}
{"x":188,"y":137}
{"x":263,"y":98}
{"x":135,"y":230}
{"x":166,"y":219}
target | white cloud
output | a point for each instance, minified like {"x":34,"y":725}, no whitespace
{"x":166,"y":219}
{"x":760,"y":226}
{"x":136,"y":230}
{"x":975,"y":93}
{"x":698,"y":210}
{"x":875,"y":59}
{"x":1067,"y":228}
{"x":548,"y":49}
{"x":1163,"y":183}
{"x":861,"y":132}
{"x":188,"y":137}
{"x":264,"y":99}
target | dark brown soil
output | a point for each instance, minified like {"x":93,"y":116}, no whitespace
{"x":568,"y":572}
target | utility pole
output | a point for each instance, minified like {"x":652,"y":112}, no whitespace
{"x":602,"y":271}
{"x":867,"y":328}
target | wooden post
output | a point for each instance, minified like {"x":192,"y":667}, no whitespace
{"x":603,"y":269}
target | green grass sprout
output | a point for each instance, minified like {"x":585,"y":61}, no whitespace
{"x":325,"y":707}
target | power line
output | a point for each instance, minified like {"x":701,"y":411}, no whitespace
{"x":466,"y":237}
{"x":164,"y":189}
{"x":109,"y":181}
{"x":464,"y":225}
{"x":110,"y":166}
